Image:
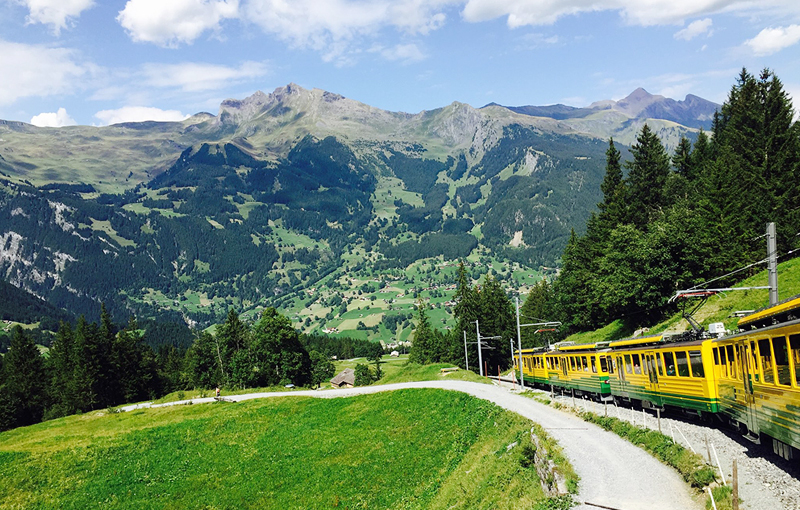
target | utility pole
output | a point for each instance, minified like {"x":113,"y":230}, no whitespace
{"x":512,"y":354}
{"x":466,"y":355}
{"x":519,"y":343}
{"x":480,"y":356}
{"x":772,"y":264}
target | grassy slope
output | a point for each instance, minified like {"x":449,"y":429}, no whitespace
{"x":403,"y":449}
{"x":717,"y":308}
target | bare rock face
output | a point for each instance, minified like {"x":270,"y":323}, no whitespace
{"x":236,"y":111}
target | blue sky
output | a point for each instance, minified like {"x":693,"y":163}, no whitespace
{"x":90,"y":62}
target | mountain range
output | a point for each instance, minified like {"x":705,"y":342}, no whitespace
{"x":293,"y":189}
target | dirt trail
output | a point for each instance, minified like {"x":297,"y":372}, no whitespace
{"x":614,"y":473}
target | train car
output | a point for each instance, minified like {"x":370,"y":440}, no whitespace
{"x":534,"y":371}
{"x":658,"y":372}
{"x":583,"y":369}
{"x":758,"y":376}
{"x":579,"y":368}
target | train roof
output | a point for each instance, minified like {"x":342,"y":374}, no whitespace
{"x":578,"y":347}
{"x":665,"y":345}
{"x":786,"y":310}
{"x":633,"y":342}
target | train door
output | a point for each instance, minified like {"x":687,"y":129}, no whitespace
{"x":650,"y":364}
{"x":744,"y":394}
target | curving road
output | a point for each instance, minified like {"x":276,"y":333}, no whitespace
{"x":614,"y":473}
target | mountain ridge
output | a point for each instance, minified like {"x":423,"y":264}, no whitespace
{"x":693,"y":111}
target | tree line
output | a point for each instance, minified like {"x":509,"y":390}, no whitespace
{"x":97,"y":365}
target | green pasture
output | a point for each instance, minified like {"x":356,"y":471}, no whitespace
{"x":404,"y":449}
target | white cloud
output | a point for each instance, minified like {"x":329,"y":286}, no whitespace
{"x":139,"y":114}
{"x":49,"y":119}
{"x":193,"y":77}
{"x":35,"y":71}
{"x":405,"y":53}
{"x":56,"y":13}
{"x":635,"y":12}
{"x":773,"y":40}
{"x":334,"y":26}
{"x":694,"y":29}
{"x":172,"y":22}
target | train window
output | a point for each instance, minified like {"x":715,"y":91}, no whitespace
{"x":628,"y":364}
{"x":660,"y":364}
{"x":752,"y":361}
{"x":669,"y":363}
{"x":594,"y":365}
{"x":683,"y":363}
{"x":603,"y":364}
{"x":794,"y":346}
{"x":732,"y":370}
{"x":696,"y":361}
{"x":637,"y":367}
{"x":781,"y":360}
{"x":584,"y":364}
{"x":722,"y":362}
{"x":766,"y":360}
{"x":572,"y":362}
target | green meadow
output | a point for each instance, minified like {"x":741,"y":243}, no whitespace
{"x":418,"y":448}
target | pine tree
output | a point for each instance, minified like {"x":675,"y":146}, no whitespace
{"x":612,"y":208}
{"x":278,"y":356}
{"x":682,"y":159}
{"x":538,"y":307}
{"x":62,"y":363}
{"x":496,"y":317}
{"x":465,"y":312}
{"x":647,"y":178}
{"x":422,"y":346}
{"x":86,"y":375}
{"x":202,"y":363}
{"x":575,"y":303}
{"x":24,"y":391}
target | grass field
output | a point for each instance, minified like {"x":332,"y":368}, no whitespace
{"x":404,"y":449}
{"x":397,"y":370}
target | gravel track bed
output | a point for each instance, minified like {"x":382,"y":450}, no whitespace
{"x":766,"y":482}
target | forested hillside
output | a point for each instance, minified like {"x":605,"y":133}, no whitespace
{"x":674,"y":222}
{"x":222,"y":227}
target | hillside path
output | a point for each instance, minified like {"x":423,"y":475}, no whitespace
{"x":614,"y":473}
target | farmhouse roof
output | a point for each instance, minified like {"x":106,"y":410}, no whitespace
{"x":346,"y":376}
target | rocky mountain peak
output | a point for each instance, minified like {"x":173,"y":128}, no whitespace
{"x":637,"y":101}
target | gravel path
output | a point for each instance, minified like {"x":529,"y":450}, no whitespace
{"x":614,"y":473}
{"x":765,"y":482}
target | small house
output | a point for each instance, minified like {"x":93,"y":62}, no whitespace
{"x":344,"y":379}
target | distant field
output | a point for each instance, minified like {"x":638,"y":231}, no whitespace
{"x":396,"y":370}
{"x":405,"y":449}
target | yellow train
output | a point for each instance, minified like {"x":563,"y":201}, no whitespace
{"x":750,"y":379}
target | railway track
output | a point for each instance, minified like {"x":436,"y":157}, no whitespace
{"x":766,"y":481}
